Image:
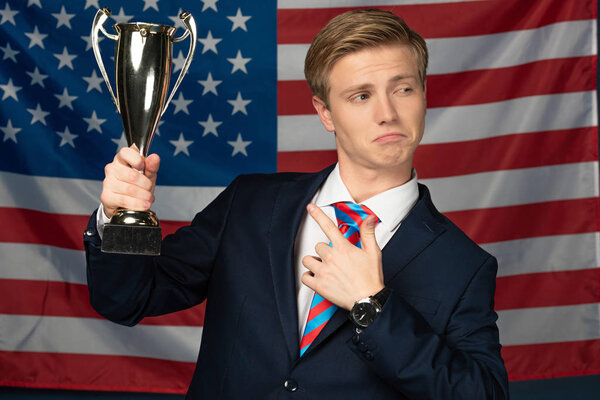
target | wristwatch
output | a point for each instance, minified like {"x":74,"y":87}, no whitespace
{"x":365,"y":310}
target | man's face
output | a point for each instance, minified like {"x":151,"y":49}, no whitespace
{"x":376,"y":108}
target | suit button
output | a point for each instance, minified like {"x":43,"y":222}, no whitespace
{"x":369,"y":356}
{"x":362,"y":347}
{"x":290,"y":385}
{"x":89,"y":232}
{"x":355,"y":339}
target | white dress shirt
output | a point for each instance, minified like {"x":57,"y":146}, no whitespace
{"x":391,"y":206}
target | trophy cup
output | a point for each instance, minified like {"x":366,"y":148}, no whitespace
{"x":143,"y":62}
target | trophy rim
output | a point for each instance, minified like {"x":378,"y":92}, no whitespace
{"x":150,"y":27}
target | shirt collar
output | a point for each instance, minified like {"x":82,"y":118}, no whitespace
{"x":391,"y":206}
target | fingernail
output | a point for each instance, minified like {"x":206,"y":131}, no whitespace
{"x":371,"y":222}
{"x":310,"y":207}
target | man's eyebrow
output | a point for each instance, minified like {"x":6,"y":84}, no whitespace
{"x":367,"y":86}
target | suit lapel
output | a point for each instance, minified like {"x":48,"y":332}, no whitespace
{"x":288,"y":210}
{"x":416,"y":232}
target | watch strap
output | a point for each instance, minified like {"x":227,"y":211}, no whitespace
{"x":382,"y":296}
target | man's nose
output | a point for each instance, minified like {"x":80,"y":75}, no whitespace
{"x":386,"y":111}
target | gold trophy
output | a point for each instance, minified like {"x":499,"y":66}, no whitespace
{"x":143,"y":63}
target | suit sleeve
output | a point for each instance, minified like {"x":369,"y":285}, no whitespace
{"x":462,"y":363}
{"x":127,"y":288}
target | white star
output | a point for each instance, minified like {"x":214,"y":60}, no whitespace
{"x":38,"y":115}
{"x":239,"y":104}
{"x":88,"y":41}
{"x":177,"y":21}
{"x":181,"y":145}
{"x":35,"y":2}
{"x":212,"y":4}
{"x":239,"y":145}
{"x":239,"y":21}
{"x":66,"y":137}
{"x":63,"y":18}
{"x":94,"y":81}
{"x":10,"y":132}
{"x":181,"y":104}
{"x":210,"y":126}
{"x":65,"y":99}
{"x":9,"y":52}
{"x":36,"y":38}
{"x":210,"y":85}
{"x":121,"y":17}
{"x":209,"y":43}
{"x":239,"y":62}
{"x":150,"y":4}
{"x":94,"y":122}
{"x":10,"y":90}
{"x":8,"y":15}
{"x":120,"y":142}
{"x":65,"y":59}
{"x":37,"y":77}
{"x":178,"y":61}
{"x":91,"y":3}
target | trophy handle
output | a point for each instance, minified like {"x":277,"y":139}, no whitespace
{"x":101,"y":16}
{"x":190,"y":25}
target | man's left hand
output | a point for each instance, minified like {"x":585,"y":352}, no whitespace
{"x":344,"y":273}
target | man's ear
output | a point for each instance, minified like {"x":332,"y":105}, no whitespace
{"x":324,"y":113}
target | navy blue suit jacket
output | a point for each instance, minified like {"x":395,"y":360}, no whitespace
{"x":436,"y":337}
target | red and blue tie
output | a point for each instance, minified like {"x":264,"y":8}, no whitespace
{"x":349,"y":217}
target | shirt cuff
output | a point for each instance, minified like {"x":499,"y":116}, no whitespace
{"x":101,"y":220}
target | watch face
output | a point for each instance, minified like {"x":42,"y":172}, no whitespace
{"x":363,"y":314}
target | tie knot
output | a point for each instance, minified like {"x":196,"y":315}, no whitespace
{"x":351,"y":214}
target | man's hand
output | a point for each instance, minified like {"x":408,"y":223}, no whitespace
{"x":343,"y":273}
{"x":124,"y":186}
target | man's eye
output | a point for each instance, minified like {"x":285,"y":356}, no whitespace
{"x":404,"y":90}
{"x":361,"y":97}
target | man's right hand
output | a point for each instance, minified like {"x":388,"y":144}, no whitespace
{"x":124,"y":186}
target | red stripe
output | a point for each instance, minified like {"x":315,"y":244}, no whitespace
{"x":548,"y":289}
{"x":436,"y":160}
{"x":354,"y":238}
{"x":484,"y":86}
{"x":62,"y":299}
{"x":560,"y":217}
{"x":20,"y":225}
{"x":433,"y":21}
{"x":94,"y":372}
{"x":318,"y":309}
{"x":525,"y":150}
{"x":305,"y":161}
{"x":552,"y":360}
{"x":308,"y":339}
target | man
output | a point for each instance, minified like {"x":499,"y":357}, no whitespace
{"x":414,"y":321}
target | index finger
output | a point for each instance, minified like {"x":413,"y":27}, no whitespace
{"x":326,"y":224}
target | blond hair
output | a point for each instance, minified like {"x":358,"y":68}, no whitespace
{"x":353,"y":31}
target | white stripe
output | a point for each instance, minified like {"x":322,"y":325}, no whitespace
{"x":81,"y":196}
{"x":545,"y":254}
{"x":460,"y":123}
{"x":291,"y":4}
{"x":549,"y":324}
{"x":448,"y":55}
{"x":513,"y":187}
{"x":98,"y":336}
{"x":43,"y":263}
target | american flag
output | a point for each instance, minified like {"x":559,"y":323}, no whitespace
{"x":510,"y":154}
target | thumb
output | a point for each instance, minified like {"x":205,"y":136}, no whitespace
{"x":151,"y":164}
{"x":367,"y":234}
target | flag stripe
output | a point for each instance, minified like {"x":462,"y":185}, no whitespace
{"x":449,"y":55}
{"x":552,"y":360}
{"x":545,"y":254}
{"x":301,"y":25}
{"x":485,"y":86}
{"x":31,"y":333}
{"x":548,"y":289}
{"x":529,"y":220}
{"x":94,"y":372}
{"x":462,"y":123}
{"x":62,"y":299}
{"x":549,"y":324}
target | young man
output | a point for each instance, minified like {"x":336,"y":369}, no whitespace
{"x":415,"y":320}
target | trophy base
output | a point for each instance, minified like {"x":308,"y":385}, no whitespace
{"x":132,"y":232}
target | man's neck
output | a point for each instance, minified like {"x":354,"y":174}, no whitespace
{"x":364,"y":183}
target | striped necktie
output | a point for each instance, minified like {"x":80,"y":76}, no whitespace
{"x":349,"y":217}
